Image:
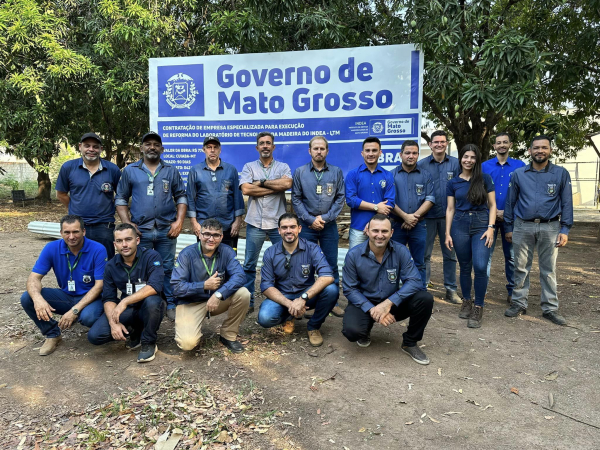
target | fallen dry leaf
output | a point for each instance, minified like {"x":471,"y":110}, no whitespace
{"x":514,"y":390}
{"x":408,"y":423}
{"x":548,"y":417}
{"x":551,"y":376}
{"x":433,"y":420}
{"x":362,"y":430}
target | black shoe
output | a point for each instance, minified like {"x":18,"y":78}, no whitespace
{"x":416,"y":354}
{"x":364,"y":342}
{"x":476,"y":317}
{"x":250,"y":310}
{"x":134,"y":340}
{"x":554,"y":317}
{"x":466,"y":308}
{"x":452,"y":297}
{"x":514,"y":310}
{"x":171,"y":314}
{"x":509,"y":299}
{"x":147,"y":353}
{"x":234,"y":346}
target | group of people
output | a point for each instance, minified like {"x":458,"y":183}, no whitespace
{"x":395,"y":218}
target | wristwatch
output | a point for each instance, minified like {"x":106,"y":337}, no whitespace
{"x":493,"y":227}
{"x":262,"y":182}
{"x":219,"y":295}
{"x":75,"y":311}
{"x":376,"y":208}
{"x":304,"y":296}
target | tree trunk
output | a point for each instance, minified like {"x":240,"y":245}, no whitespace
{"x":44,"y":187}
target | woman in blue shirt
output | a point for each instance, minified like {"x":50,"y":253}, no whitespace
{"x":470,"y":223}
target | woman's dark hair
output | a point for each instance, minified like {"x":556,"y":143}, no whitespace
{"x":477,"y":194}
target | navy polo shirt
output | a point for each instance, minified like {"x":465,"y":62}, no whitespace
{"x":307,"y":203}
{"x":366,"y":282}
{"x":459,"y":188}
{"x":91,"y":197}
{"x":148,"y":211}
{"x":542,"y":194}
{"x":220,"y":199}
{"x":440,"y":173}
{"x":190,"y":274}
{"x":362,"y":185}
{"x":412,"y":189}
{"x":148,"y":270}
{"x":89,"y":268}
{"x":501,"y":174}
{"x":305,"y":261}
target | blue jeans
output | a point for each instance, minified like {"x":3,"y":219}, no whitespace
{"x":255,"y":238}
{"x":415,"y":239}
{"x":62,"y":303}
{"x":103,"y":233}
{"x":509,"y":257}
{"x":473,"y":255}
{"x":272,"y":313}
{"x":437,"y":227}
{"x":355,"y":237}
{"x":142,"y":317}
{"x":158,"y":240}
{"x":328,"y":239}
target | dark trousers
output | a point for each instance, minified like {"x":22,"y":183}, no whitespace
{"x":415,"y":239}
{"x":357,"y":324}
{"x":158,"y":240}
{"x":144,"y":317}
{"x":102,"y":233}
{"x":228,"y":239}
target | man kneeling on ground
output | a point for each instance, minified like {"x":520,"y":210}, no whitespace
{"x":78,"y":265}
{"x":208,"y":279}
{"x":371,"y":275}
{"x":288,"y":282}
{"x":138,"y":273}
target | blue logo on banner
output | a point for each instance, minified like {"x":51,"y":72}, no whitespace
{"x":377,"y":126}
{"x":181,"y":90}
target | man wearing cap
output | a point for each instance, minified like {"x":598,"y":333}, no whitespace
{"x":264,"y":181}
{"x":87,"y":186}
{"x":78,"y":264}
{"x":213,"y":192}
{"x":158,"y":205}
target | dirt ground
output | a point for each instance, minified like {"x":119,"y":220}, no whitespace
{"x":484,"y":389}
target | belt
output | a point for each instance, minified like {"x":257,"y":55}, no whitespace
{"x":554,"y":219}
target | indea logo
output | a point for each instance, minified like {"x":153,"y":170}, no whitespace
{"x":181,"y":91}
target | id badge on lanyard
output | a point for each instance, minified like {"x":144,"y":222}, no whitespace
{"x":71,"y":285}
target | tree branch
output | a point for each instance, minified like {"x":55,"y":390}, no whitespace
{"x":436,"y":110}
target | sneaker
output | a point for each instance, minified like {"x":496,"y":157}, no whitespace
{"x":554,"y":317}
{"x":171,"y":314}
{"x":134,"y":340}
{"x":337,"y":311}
{"x":465,"y":310}
{"x":416,"y":354}
{"x":309,"y":313}
{"x":476,"y":317}
{"x":315,"y":338}
{"x":234,"y":346}
{"x":365,"y":342}
{"x":288,"y":326}
{"x":50,"y":345}
{"x":514,"y":310}
{"x":147,"y":353}
{"x":452,"y":297}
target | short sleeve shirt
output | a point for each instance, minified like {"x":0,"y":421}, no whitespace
{"x":459,"y":188}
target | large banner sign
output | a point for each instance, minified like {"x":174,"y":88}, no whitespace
{"x":344,"y":94}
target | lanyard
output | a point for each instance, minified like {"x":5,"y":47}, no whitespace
{"x":267,"y":174}
{"x":212,"y":267}
{"x":130,"y":270}
{"x":72,"y":268}
{"x":152,"y":177}
{"x":321,"y":173}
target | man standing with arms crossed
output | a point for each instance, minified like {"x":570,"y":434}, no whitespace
{"x":442,"y":168}
{"x":501,"y":169}
{"x":213,"y":192}
{"x":264,"y":181}
{"x":87,"y":188}
{"x":414,"y":197}
{"x":318,"y":197}
{"x":538,"y":214}
{"x":158,"y":205}
{"x":369,"y":191}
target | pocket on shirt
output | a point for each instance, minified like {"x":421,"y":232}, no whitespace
{"x":226,"y":186}
{"x":87,"y":278}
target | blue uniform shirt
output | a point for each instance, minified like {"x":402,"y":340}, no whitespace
{"x":459,"y":188}
{"x":88,"y":270}
{"x":309,"y":204}
{"x":540,"y":195}
{"x":440,"y":173}
{"x":220,"y":199}
{"x":306,"y":260}
{"x":148,"y":270}
{"x":501,"y":174}
{"x":366,"y":282}
{"x":92,"y":197}
{"x":149,"y":210}
{"x":190,"y":274}
{"x":412,"y":189}
{"x":362,"y":185}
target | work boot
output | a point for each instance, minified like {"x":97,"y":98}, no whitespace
{"x":514,"y":310}
{"x":315,"y":338}
{"x":452,"y":297}
{"x":288,"y":326}
{"x":554,"y":317}
{"x":476,"y":317}
{"x":465,"y":310}
{"x":50,"y":345}
{"x":337,"y":311}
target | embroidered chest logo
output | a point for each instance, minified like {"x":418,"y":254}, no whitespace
{"x":449,"y":175}
{"x":382,"y":183}
{"x":419,"y":188}
{"x":87,"y":279}
{"x":551,"y":189}
{"x":106,"y":187}
{"x":305,"y":270}
{"x":329,"y":189}
{"x":165,"y":185}
{"x":391,"y":275}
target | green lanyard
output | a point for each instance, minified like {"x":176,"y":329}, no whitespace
{"x":212,"y":267}
{"x":322,"y":172}
{"x":267,"y":174}
{"x":152,"y":177}
{"x":130,"y":270}
{"x":71,"y":269}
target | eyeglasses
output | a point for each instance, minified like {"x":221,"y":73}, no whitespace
{"x":208,"y":236}
{"x":287,"y":262}
{"x":214,"y":176}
